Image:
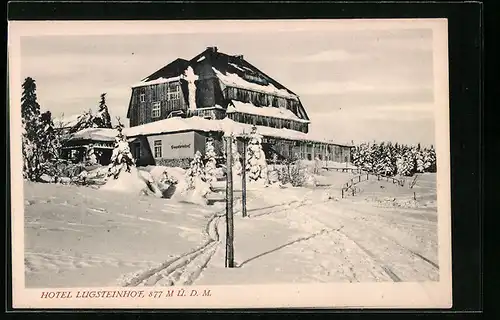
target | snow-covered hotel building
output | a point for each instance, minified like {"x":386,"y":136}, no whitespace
{"x":172,"y":112}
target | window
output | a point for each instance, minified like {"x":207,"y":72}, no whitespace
{"x":173,"y":91}
{"x":172,"y":95}
{"x":142,"y":97}
{"x":156,"y":110}
{"x":157,"y":149}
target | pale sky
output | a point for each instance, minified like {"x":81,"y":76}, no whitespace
{"x":359,"y":85}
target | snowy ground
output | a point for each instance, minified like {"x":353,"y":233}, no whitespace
{"x":79,"y":236}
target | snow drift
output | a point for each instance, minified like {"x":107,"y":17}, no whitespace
{"x":134,"y":182}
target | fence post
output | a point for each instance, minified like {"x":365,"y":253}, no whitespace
{"x":244,"y":180}
{"x":359,"y":178}
{"x":342,"y":193}
{"x":353,"y":191}
{"x":414,"y":196}
{"x":229,"y":206}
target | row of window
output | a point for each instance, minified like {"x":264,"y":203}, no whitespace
{"x":333,"y":153}
{"x":158,"y":92}
{"x":169,"y":106}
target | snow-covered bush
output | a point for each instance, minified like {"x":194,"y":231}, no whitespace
{"x":166,"y":178}
{"x":135,"y":182}
{"x":294,"y":173}
{"x":256,"y":165}
{"x":211,"y":163}
{"x":273,"y":170}
{"x":84,"y":121}
{"x":121,"y":159}
{"x":91,"y":155}
{"x":183,"y":163}
{"x":196,"y":187}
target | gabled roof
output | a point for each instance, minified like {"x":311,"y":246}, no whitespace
{"x":95,"y":134}
{"x":235,"y":65}
{"x":173,"y":69}
{"x":231,"y":71}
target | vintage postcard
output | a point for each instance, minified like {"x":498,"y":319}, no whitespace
{"x":230,"y":164}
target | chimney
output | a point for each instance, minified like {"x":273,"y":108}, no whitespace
{"x":212,"y":49}
{"x":239,"y":56}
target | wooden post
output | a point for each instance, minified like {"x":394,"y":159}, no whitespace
{"x":359,"y":178}
{"x":414,"y":196}
{"x":342,"y":193}
{"x":244,"y":180}
{"x":229,"y":205}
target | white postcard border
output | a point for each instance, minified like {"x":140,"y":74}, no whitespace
{"x":335,"y":295}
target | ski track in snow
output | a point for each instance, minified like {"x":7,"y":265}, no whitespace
{"x":396,"y":260}
{"x":385,"y":259}
{"x":182,"y":270}
{"x":186,"y":268}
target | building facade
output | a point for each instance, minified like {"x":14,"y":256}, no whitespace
{"x":174,"y":110}
{"x":216,"y":86}
{"x":207,"y":86}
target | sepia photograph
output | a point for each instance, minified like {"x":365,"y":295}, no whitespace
{"x":230,"y":163}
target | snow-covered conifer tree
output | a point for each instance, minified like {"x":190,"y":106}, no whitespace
{"x":35,"y":136}
{"x":256,"y":164}
{"x":407,"y":162}
{"x":419,"y":158}
{"x":378,"y":156}
{"x":430,"y":160}
{"x":361,"y":156}
{"x":30,"y":109}
{"x":211,"y":163}
{"x":102,"y":119}
{"x":387,"y":161}
{"x":236,"y":157}
{"x":355,"y":155}
{"x":122,"y":158}
{"x":195,"y":172}
{"x":49,"y":137}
